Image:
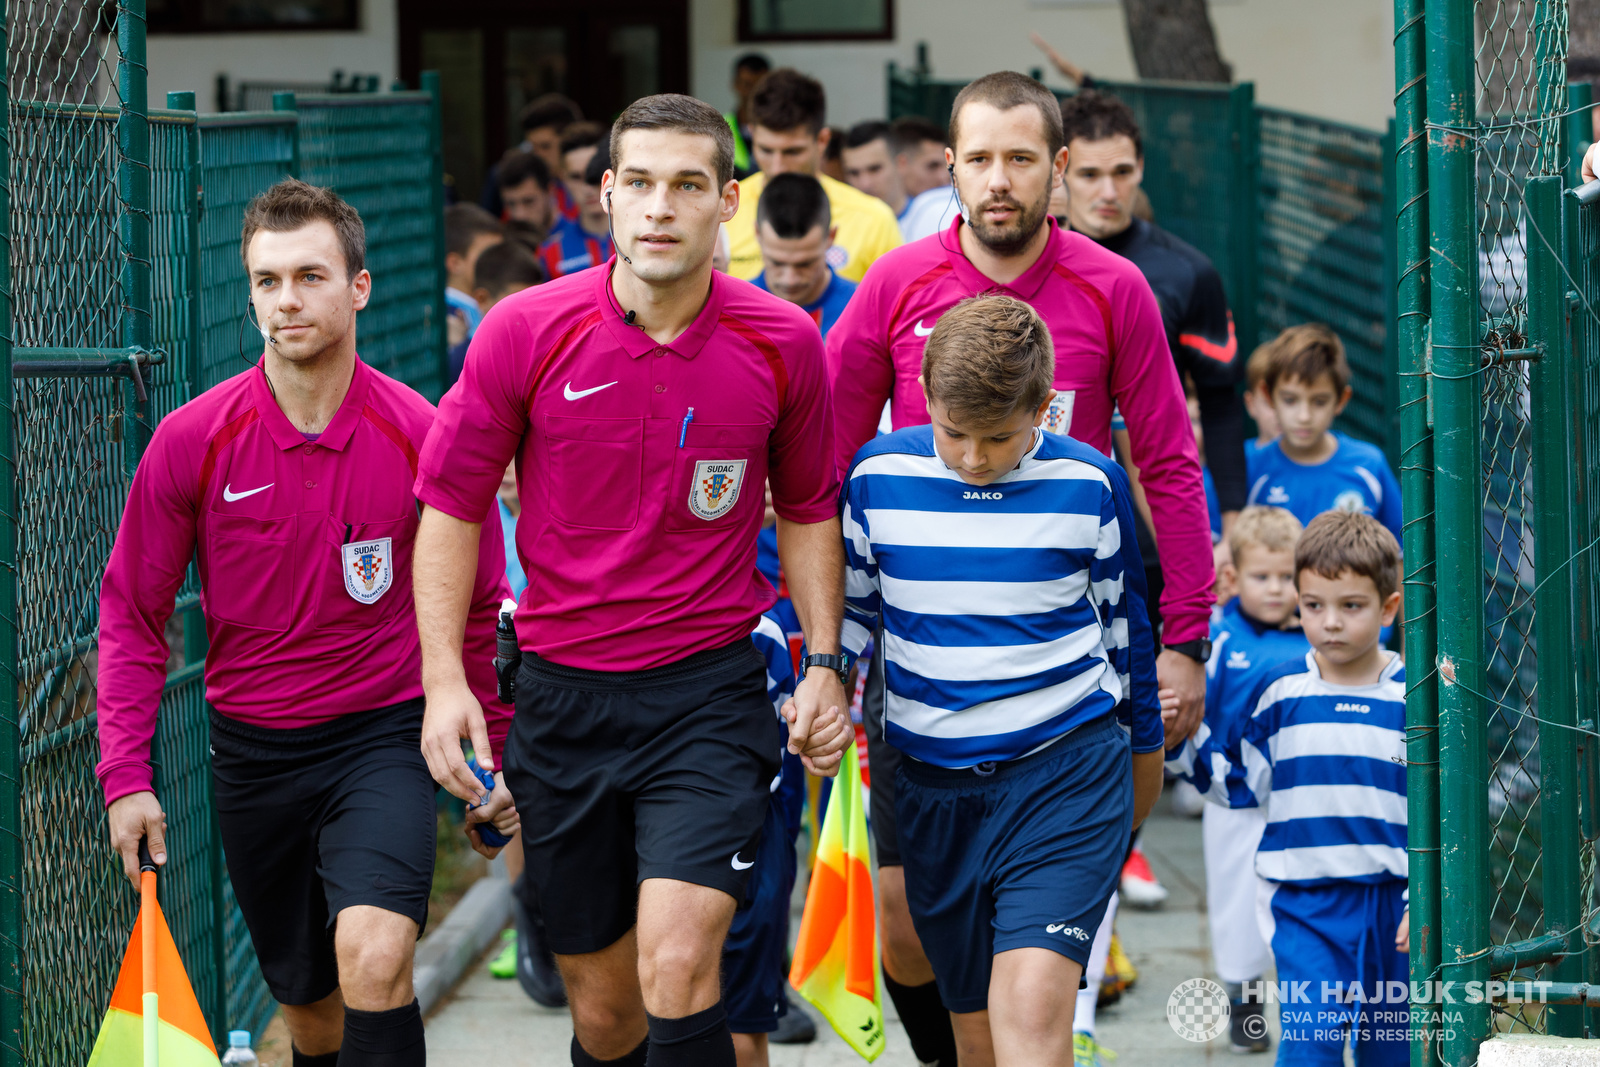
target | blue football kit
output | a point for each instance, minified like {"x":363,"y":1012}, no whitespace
{"x":825,"y":309}
{"x":1355,"y":478}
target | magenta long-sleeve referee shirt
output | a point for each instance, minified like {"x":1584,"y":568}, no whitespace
{"x":1111,"y":351}
{"x":640,"y":466}
{"x":304,"y":549}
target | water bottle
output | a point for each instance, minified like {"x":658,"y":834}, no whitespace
{"x":507,"y":655}
{"x":239,"y":1054}
{"x":486,"y":831}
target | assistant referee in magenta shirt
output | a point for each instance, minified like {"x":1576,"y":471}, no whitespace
{"x":647,"y":401}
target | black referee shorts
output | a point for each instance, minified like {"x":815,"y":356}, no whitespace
{"x":318,"y":819}
{"x":883,"y":760}
{"x":623,"y":776}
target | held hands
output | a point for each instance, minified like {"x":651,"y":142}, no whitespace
{"x":453,"y":713}
{"x":1402,"y":936}
{"x":1169,"y":708}
{"x":1185,"y":678}
{"x":819,"y":722}
{"x":500,"y":811}
{"x":132,"y":818}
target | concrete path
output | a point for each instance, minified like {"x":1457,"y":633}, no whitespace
{"x":490,"y":1022}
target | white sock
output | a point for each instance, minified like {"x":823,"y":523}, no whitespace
{"x":1088,"y":997}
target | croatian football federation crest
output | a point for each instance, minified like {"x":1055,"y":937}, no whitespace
{"x":1058,"y":416}
{"x":1350,"y":500}
{"x":368,"y":568}
{"x":715,"y":488}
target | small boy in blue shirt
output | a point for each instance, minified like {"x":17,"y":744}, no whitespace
{"x":1325,"y":740}
{"x":1019,"y":675}
{"x":1310,"y":469}
{"x":1253,"y":633}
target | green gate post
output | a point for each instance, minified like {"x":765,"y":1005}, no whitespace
{"x":1245,"y":128}
{"x":1456,"y":352}
{"x":431,"y":86}
{"x":1580,"y":131}
{"x":11,"y":959}
{"x":1410,"y":326}
{"x":133,"y":223}
{"x":284,"y":101}
{"x":1559,"y":858}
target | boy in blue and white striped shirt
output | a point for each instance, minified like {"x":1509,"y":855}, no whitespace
{"x":1020,"y":674}
{"x":1326,"y":741}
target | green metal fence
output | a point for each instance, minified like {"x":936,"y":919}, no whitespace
{"x":1290,"y":208}
{"x":121,"y":296}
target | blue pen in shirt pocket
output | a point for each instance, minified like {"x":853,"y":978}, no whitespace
{"x":683,"y":431}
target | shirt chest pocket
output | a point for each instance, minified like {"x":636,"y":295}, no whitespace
{"x":250,"y":570}
{"x":718,"y":476}
{"x":595,"y":468}
{"x":362,"y":571}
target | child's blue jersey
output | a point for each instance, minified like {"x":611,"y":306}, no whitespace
{"x":1013,"y":613}
{"x":827,"y":308}
{"x":1332,"y":759}
{"x":1355,"y":478}
{"x":1242,"y":652}
{"x":773,"y":645}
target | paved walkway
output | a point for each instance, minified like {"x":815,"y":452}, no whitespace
{"x":489,"y":1021}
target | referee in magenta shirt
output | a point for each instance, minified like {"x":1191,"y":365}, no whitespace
{"x":291,"y":485}
{"x":646,"y":402}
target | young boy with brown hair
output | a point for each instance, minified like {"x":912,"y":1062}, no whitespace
{"x":1326,"y":741}
{"x":1020,"y":676}
{"x":1256,"y":402}
{"x":1310,"y":469}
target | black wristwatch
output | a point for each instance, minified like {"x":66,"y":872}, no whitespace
{"x":836,"y":664}
{"x":1198,"y":650}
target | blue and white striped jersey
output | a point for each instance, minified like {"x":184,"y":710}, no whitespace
{"x":1012,"y":612}
{"x":1332,"y":759}
{"x":773,"y":645}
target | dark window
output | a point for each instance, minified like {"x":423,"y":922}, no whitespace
{"x":816,"y":20}
{"x":226,"y":16}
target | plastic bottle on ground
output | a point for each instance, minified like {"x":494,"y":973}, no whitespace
{"x":239,"y":1053}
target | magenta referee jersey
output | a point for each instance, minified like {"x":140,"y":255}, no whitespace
{"x":304,"y":550}
{"x":1111,"y":350}
{"x":640,"y":466}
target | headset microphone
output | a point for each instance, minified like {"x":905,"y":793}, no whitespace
{"x":611,"y":229}
{"x":629,"y":317}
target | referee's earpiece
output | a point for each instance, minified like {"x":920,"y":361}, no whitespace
{"x":611,"y":229}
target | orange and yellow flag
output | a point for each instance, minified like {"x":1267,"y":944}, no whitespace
{"x":836,"y":954}
{"x":154,"y":1018}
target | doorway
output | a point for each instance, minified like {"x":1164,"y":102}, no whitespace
{"x":493,"y":56}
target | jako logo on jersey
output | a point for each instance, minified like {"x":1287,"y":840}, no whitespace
{"x":368,"y":569}
{"x":1362,"y":708}
{"x":921,"y":330}
{"x":1350,"y":500}
{"x":981,"y":496}
{"x":715,"y":488}
{"x":1276,"y":495}
{"x":1239,"y":658}
{"x":1070,"y":931}
{"x":1058,"y":416}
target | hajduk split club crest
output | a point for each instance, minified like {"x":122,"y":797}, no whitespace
{"x":715,"y":488}
{"x":368,"y":568}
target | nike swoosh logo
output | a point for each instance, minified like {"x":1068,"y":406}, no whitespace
{"x":741,"y":866}
{"x":1055,"y":928}
{"x":920,"y":330}
{"x":570,"y":395}
{"x":230,"y":496}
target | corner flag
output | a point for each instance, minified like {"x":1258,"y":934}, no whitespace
{"x":154,"y":1019}
{"x":836,"y":953}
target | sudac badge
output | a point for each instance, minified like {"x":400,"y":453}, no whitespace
{"x":715,"y":488}
{"x":368,"y":569}
{"x":1058,"y":416}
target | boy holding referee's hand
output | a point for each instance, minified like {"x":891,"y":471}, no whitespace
{"x":1020,"y":675}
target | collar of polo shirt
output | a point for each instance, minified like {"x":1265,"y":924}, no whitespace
{"x":1027,"y":285}
{"x":637,"y":343}
{"x":342,"y":425}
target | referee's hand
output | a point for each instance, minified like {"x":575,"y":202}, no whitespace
{"x":500,"y":811}
{"x":819,"y":725}
{"x":133,"y":818}
{"x":454,"y":713}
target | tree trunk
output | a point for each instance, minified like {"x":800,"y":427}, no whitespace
{"x":1173,"y":41}
{"x":55,"y":49}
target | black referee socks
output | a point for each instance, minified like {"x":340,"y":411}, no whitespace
{"x":698,"y":1040}
{"x":327,"y":1059}
{"x":927,"y":1023}
{"x":580,"y":1058}
{"x":390,"y":1038}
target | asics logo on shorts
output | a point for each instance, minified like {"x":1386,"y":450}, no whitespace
{"x":1070,"y":931}
{"x":742,"y":866}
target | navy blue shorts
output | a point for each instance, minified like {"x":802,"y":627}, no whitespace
{"x":1025,"y":855}
{"x":755,"y":965}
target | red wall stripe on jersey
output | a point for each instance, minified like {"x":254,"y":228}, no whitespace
{"x":1097,"y":298}
{"x":393,"y":433}
{"x":774,"y":358}
{"x":223,"y":438}
{"x":916,"y":285}
{"x":1220,"y":353}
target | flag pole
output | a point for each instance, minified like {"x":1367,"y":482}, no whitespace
{"x":147,"y":946}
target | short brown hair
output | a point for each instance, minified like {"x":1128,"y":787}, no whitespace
{"x":1004,"y":90}
{"x":291,"y":204}
{"x":581,"y":135}
{"x":1304,"y":352}
{"x":1339,"y":541}
{"x":989,"y":357}
{"x":674,"y":111}
{"x":1274,"y":529}
{"x":1255,"y":369}
{"x":1096,"y":116}
{"x":784,"y":99}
